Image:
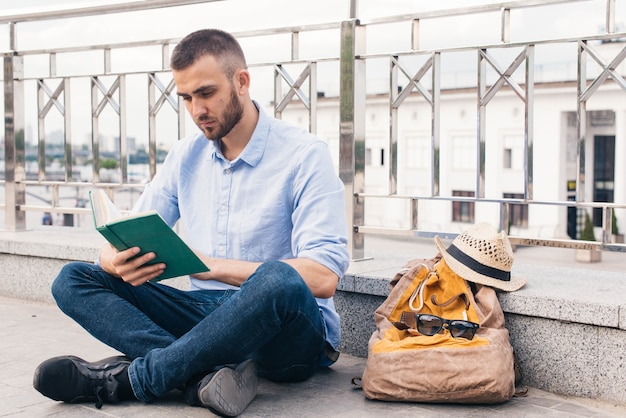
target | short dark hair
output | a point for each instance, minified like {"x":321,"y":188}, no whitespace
{"x":221,"y":45}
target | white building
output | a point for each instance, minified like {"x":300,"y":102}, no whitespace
{"x":554,"y":169}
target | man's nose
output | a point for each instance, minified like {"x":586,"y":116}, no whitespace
{"x":198,"y":108}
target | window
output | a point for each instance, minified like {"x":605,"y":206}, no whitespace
{"x":417,"y":152}
{"x":513,"y":152}
{"x":507,"y":158}
{"x":463,"y":211}
{"x":370,"y":157}
{"x":518,"y":212}
{"x":463,"y":152}
{"x":603,"y":173}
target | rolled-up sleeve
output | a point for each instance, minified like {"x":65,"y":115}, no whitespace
{"x":319,"y":221}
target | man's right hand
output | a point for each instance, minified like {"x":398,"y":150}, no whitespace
{"x":128,"y":267}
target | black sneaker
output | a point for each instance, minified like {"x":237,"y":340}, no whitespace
{"x":72,"y":379}
{"x":229,"y":391}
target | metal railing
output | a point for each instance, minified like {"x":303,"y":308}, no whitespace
{"x":108,"y":95}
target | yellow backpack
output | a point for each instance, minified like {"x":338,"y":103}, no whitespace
{"x":439,"y":338}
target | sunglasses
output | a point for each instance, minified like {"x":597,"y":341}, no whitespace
{"x":430,"y":325}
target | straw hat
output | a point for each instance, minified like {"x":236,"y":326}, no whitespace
{"x":482,"y":255}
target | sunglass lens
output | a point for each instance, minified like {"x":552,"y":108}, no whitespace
{"x":462,"y":329}
{"x":429,"y":324}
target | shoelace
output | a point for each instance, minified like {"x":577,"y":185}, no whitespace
{"x":99,"y":397}
{"x":103,"y":394}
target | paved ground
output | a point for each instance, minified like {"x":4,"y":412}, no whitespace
{"x":30,"y":332}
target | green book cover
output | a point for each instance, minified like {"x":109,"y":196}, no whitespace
{"x":148,"y":231}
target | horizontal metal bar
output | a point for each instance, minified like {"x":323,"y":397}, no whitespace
{"x":460,"y":11}
{"x":56,"y":209}
{"x":533,"y":242}
{"x":95,"y":47}
{"x":471,"y":48}
{"x":305,"y":28}
{"x":492,"y":200}
{"x":284,"y":30}
{"x":65,"y":12}
{"x":398,"y":232}
{"x":70,"y":11}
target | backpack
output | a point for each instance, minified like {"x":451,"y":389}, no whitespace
{"x":405,"y":364}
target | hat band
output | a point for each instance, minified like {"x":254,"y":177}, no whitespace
{"x":477,"y":266}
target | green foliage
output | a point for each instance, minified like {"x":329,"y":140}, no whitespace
{"x":614,"y":228}
{"x":587,"y":233}
{"x":108,"y":163}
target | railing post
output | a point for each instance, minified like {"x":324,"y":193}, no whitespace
{"x":14,"y":147}
{"x":581,"y":127}
{"x":352,"y":129}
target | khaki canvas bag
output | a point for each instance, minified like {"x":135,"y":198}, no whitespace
{"x":403,"y":365}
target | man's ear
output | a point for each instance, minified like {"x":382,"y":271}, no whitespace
{"x":242,"y":81}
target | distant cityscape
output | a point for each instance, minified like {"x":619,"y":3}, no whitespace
{"x":82,"y":158}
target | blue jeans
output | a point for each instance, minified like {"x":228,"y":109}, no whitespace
{"x":174,"y":336}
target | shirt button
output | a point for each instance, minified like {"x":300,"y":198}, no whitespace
{"x":223,"y":207}
{"x":221,"y":248}
{"x":227,"y":171}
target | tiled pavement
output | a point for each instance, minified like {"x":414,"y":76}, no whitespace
{"x":30,"y":332}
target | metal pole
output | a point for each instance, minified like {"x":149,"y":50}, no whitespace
{"x":352,"y":129}
{"x":14,"y":141}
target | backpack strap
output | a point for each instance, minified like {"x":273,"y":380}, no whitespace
{"x":453,"y":299}
{"x":418,"y":292}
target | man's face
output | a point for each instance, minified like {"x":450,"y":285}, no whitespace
{"x":210,"y":97}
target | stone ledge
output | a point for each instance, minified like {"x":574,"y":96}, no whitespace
{"x":53,"y":242}
{"x":581,"y":295}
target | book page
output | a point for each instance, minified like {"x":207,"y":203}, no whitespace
{"x":104,"y":210}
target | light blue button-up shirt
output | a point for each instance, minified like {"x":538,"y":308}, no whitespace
{"x":279,"y":199}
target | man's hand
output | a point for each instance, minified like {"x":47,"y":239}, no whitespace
{"x":125,"y":265}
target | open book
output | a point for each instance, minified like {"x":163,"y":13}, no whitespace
{"x":149,"y":232}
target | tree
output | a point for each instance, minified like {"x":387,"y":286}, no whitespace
{"x":108,"y":163}
{"x":587,"y":233}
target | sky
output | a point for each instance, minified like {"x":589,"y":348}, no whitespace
{"x":586,"y":17}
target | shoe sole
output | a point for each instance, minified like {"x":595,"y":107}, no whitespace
{"x":49,"y":380}
{"x":230,"y":391}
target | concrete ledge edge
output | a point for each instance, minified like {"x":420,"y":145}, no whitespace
{"x":577,"y":295}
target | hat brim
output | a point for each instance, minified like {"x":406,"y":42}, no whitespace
{"x":472,"y":276}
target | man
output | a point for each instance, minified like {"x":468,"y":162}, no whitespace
{"x":259,"y":201}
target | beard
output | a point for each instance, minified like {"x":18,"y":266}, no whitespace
{"x":231,"y":117}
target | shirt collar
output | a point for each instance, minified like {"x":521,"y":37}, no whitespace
{"x":253,"y":152}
